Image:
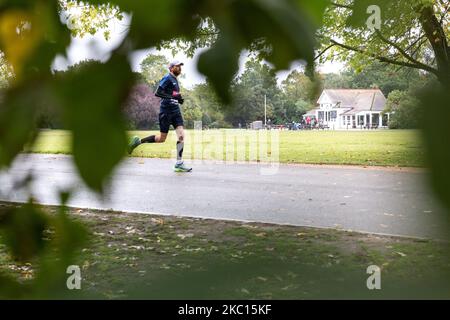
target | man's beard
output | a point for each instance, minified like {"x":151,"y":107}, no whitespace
{"x":176,"y":72}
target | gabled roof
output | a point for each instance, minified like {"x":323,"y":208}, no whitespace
{"x":355,"y":99}
{"x":311,"y":112}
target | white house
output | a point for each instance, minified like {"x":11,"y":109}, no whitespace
{"x":351,"y":108}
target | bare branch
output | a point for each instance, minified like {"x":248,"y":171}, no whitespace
{"x":385,"y":59}
{"x":341,"y":5}
{"x":323,"y":51}
{"x":402,"y":52}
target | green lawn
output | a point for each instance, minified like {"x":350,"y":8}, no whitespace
{"x":132,"y":255}
{"x":373,"y":148}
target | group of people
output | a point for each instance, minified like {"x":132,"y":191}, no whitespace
{"x":307,"y":123}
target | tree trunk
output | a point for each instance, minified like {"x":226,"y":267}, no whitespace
{"x":436,"y":36}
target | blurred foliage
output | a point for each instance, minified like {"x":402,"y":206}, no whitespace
{"x":23,"y":231}
{"x":95,"y":116}
{"x":435,"y":103}
{"x":50,"y":241}
{"x":6,"y":72}
{"x":90,"y":98}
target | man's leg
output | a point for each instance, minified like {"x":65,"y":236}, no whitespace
{"x":155,"y":139}
{"x":179,"y":166}
{"x":135,"y":141}
{"x":164,"y":125}
{"x":180,"y":143}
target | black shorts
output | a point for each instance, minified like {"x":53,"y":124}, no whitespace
{"x":166,"y":119}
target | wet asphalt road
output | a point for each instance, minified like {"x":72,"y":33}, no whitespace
{"x":388,"y":201}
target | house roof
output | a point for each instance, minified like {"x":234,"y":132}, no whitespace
{"x":356,"y":100}
{"x":311,"y":112}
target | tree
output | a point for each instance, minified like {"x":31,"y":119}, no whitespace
{"x":191,"y":111}
{"x":257,"y":80}
{"x":376,"y":75}
{"x":405,"y":109}
{"x":413,"y":34}
{"x":337,"y":80}
{"x":153,"y":68}
{"x":142,"y":107}
{"x":299,"y":94}
{"x":211,"y":107}
{"x":298,"y":86}
{"x":294,"y":112}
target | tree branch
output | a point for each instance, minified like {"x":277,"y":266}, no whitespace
{"x":415,"y":41}
{"x":323,"y":51}
{"x":402,"y":52}
{"x":341,"y":5}
{"x":385,"y":59}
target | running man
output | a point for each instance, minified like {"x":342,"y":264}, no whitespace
{"x":170,"y":114}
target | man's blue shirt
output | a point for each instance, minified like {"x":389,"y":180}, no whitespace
{"x":169,"y":84}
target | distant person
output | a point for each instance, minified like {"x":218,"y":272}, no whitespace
{"x":170,"y":114}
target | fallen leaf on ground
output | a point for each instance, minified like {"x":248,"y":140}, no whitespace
{"x":184,"y":236}
{"x":262,"y":278}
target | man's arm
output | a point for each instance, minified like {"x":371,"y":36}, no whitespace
{"x":161,"y":94}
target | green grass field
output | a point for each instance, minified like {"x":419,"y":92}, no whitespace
{"x":401,"y":148}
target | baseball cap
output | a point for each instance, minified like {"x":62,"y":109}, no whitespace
{"x":175,"y":63}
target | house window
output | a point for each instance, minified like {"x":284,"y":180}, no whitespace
{"x":320,"y":114}
{"x":333,"y":115}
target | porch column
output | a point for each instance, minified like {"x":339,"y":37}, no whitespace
{"x":370,"y":120}
{"x":365,"y":120}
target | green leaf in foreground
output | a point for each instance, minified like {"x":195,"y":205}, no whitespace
{"x":23,"y":230}
{"x":435,"y":102}
{"x":17,"y":121}
{"x":91,"y":97}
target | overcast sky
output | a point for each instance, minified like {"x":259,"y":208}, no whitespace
{"x":96,"y":47}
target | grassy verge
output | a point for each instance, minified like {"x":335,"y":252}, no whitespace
{"x":401,"y":148}
{"x":147,"y":256}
